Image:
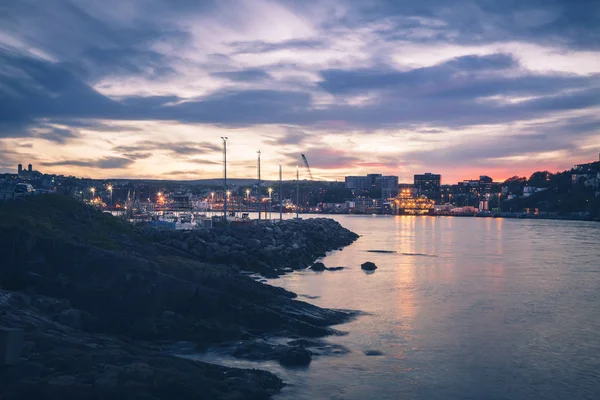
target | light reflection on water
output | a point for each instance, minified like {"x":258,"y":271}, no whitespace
{"x":466,"y":308}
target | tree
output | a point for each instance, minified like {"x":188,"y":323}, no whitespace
{"x":540,"y":179}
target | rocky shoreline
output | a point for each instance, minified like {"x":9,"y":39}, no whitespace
{"x":270,"y":250}
{"x":94,"y":295}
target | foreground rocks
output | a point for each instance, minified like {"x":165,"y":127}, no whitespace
{"x":88,"y":290}
{"x":60,"y":362}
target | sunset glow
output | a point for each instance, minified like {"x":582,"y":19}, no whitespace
{"x":145,"y":89}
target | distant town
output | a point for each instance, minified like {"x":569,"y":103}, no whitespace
{"x":573,"y":194}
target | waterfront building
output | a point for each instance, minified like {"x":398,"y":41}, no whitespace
{"x":389,"y":186}
{"x":363,"y":185}
{"x":586,"y":174}
{"x":181,"y":201}
{"x":407,"y":204}
{"x":364,"y":205}
{"x":588,"y":168}
{"x":485,"y":184}
{"x":529,"y":190}
{"x":428,"y":184}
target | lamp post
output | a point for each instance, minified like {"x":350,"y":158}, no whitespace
{"x":259,"y":188}
{"x":110,"y":189}
{"x":93,"y":191}
{"x":270,"y":190}
{"x":248,"y":200}
{"x":297,"y":190}
{"x":280,"y":197}
{"x":228,"y":199}
{"x":224,"y":139}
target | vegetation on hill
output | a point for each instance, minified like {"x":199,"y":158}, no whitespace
{"x":61,"y":217}
{"x":559,"y":195}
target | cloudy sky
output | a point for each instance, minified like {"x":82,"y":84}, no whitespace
{"x":146,"y":88}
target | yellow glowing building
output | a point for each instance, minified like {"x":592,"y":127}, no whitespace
{"x":406,"y":204}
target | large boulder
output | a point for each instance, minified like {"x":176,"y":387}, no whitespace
{"x":368,"y":266}
{"x":318,"y":266}
{"x":296,"y":357}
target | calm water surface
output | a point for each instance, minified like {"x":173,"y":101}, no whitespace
{"x":466,"y":308}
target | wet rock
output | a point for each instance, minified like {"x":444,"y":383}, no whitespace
{"x":308,"y":296}
{"x":318,"y":266}
{"x":259,"y":351}
{"x":320,"y":347}
{"x":296,"y":357}
{"x":335,"y":268}
{"x":373,"y":353}
{"x":368,"y":266}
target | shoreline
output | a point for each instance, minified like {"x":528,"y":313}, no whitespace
{"x":520,"y":216}
{"x":96,"y":297}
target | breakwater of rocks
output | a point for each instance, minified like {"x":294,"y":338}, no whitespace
{"x":270,"y":250}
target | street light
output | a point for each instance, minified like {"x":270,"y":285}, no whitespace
{"x":227,"y":200}
{"x":270,"y":190}
{"x":110,"y":189}
{"x":248,"y":200}
{"x":224,"y":139}
{"x":93,"y":191}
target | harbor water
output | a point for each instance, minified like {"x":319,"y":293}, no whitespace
{"x":459,"y":308}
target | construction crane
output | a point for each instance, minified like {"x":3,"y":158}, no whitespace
{"x":307,"y":167}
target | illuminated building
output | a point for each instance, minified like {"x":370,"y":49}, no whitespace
{"x":406,"y":204}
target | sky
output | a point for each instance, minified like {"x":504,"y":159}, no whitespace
{"x":147,"y":88}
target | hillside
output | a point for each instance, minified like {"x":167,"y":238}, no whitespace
{"x":76,"y":279}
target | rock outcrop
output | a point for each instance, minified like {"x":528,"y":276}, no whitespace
{"x":88,"y":288}
{"x":318,"y":266}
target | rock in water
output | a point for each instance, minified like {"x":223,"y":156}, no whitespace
{"x":368,"y":266}
{"x":296,"y":357}
{"x":318,"y":266}
{"x":373,"y":353}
